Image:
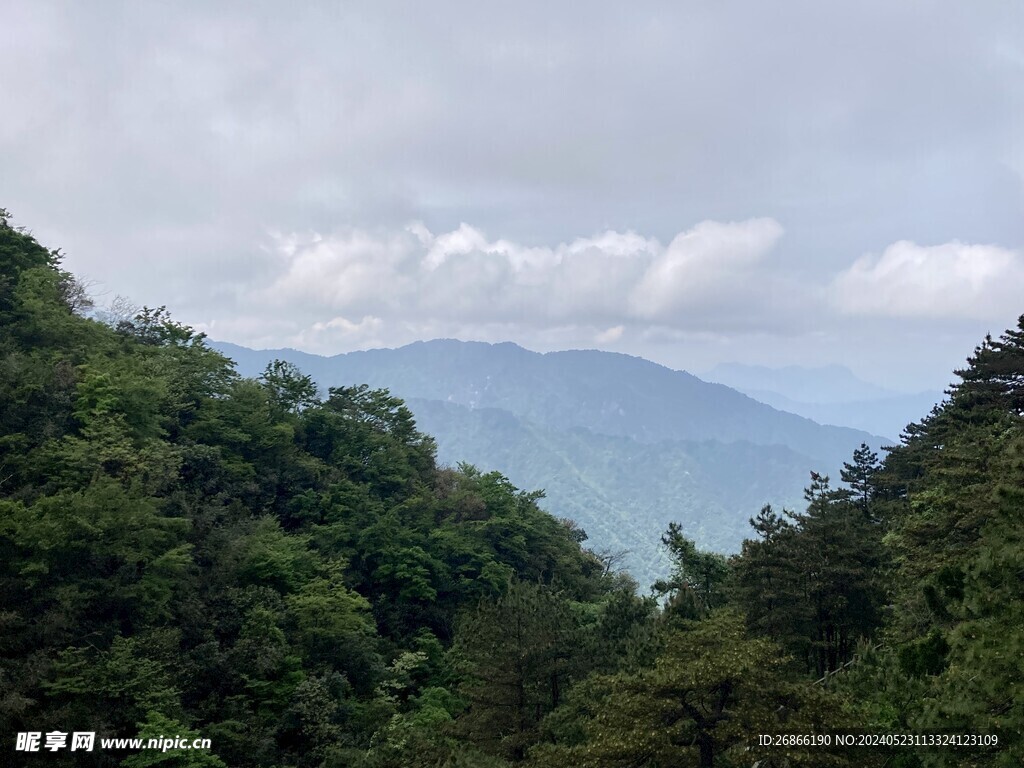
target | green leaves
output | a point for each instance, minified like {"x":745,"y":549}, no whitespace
{"x":290,"y":389}
{"x":813,"y":582}
{"x":335,"y":628}
{"x":698,"y":578}
{"x":517,"y":657}
{"x":711,"y":690}
{"x":111,"y":547}
{"x":123,"y":679}
{"x":275,"y":559}
{"x":182,"y":549}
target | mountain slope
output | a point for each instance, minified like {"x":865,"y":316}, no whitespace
{"x":623,"y":493}
{"x":619,"y":444}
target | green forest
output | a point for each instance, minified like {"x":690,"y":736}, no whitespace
{"x":292,"y":575}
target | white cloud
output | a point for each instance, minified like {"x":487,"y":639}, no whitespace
{"x":954,"y":279}
{"x":610,"y":335}
{"x":342,"y":333}
{"x":709,"y":286}
{"x":462,"y":277}
{"x":700,"y":263}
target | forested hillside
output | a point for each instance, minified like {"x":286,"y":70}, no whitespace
{"x":622,"y":491}
{"x":291,"y":575}
{"x":620,"y":444}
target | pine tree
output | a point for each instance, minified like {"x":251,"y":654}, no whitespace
{"x":516,"y":653}
{"x":813,"y":582}
{"x":696,"y":585}
{"x":955,"y":515}
{"x":859,"y":476}
{"x":711,"y":690}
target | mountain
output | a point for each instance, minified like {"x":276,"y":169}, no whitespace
{"x":620,"y":444}
{"x":884,"y":416}
{"x":606,"y":392}
{"x":820,"y":384}
{"x":828,"y":395}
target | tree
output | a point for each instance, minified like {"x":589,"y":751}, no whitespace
{"x":516,"y":656}
{"x":696,"y":585}
{"x":712,"y":689}
{"x":860,"y":474}
{"x":767,"y":582}
{"x":814,"y":584}
{"x":290,"y":389}
{"x":951,"y":495}
{"x":335,"y":628}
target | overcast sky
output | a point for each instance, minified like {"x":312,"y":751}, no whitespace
{"x":770,"y":183}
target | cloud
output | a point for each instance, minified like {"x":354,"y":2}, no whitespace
{"x":701,"y":263}
{"x":955,"y":279}
{"x":712,"y":284}
{"x":610,"y":335}
{"x":158,"y":159}
{"x":607,"y":281}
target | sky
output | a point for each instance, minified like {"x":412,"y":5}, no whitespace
{"x":770,"y":183}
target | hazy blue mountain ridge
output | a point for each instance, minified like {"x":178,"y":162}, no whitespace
{"x":885,"y":416}
{"x":829,"y":394}
{"x":807,"y":384}
{"x":606,"y":392}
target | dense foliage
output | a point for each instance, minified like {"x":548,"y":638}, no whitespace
{"x":291,"y":574}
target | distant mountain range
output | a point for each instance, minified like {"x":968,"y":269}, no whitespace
{"x":620,"y":444}
{"x":828,"y":395}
